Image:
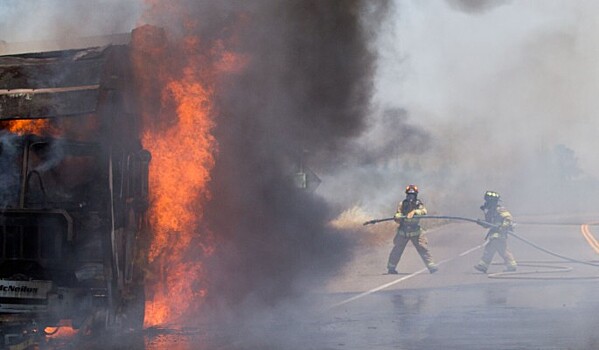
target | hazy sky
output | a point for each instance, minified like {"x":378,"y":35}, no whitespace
{"x":34,"y":20}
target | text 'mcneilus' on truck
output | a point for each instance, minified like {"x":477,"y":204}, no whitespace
{"x":73,"y":191}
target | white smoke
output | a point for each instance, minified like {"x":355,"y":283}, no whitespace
{"x":507,"y":95}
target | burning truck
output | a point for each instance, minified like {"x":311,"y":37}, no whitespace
{"x":73,"y":193}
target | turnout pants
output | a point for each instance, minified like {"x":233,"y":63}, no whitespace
{"x":399,"y":244}
{"x":499,"y":246}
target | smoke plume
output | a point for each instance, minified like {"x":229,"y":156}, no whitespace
{"x":302,"y":95}
{"x":305,"y":97}
{"x":503,"y":95}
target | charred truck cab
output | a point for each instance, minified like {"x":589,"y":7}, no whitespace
{"x":73,"y":193}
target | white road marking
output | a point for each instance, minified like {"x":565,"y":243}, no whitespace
{"x":374,"y":290}
{"x":470,"y":250}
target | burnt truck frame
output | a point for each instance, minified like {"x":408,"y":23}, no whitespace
{"x":73,"y":205}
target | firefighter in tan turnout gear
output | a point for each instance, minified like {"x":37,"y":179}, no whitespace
{"x":409,"y":230}
{"x":497,"y":235}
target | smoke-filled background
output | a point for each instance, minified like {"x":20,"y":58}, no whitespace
{"x":477,"y":95}
{"x":455,"y":96}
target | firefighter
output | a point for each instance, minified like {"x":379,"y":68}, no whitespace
{"x":409,"y":230}
{"x":502,"y":220}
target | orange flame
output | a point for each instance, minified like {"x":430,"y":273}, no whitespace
{"x":60,"y":332}
{"x":178,"y":134}
{"x":83,"y":128}
{"x":26,"y":126}
{"x":182,"y":159}
{"x":180,"y":169}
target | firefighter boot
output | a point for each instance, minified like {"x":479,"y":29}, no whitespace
{"x":480,"y":267}
{"x":391,"y":269}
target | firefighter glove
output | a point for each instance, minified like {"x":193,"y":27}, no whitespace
{"x":397,"y":217}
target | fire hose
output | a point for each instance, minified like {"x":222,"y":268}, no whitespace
{"x":511,"y":233}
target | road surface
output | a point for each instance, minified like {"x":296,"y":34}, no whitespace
{"x":548,"y":304}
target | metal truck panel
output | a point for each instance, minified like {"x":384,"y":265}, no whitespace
{"x":61,"y":83}
{"x":45,"y":103}
{"x":52,"y":72}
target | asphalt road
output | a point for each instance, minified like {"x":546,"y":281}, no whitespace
{"x":548,"y":304}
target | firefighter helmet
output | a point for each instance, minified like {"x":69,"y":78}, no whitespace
{"x":412,"y":189}
{"x":491,"y":196}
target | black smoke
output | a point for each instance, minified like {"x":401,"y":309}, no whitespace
{"x":303,"y":95}
{"x":391,"y":136}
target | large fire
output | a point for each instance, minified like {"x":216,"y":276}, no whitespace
{"x":175,"y":79}
{"x":178,"y":134}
